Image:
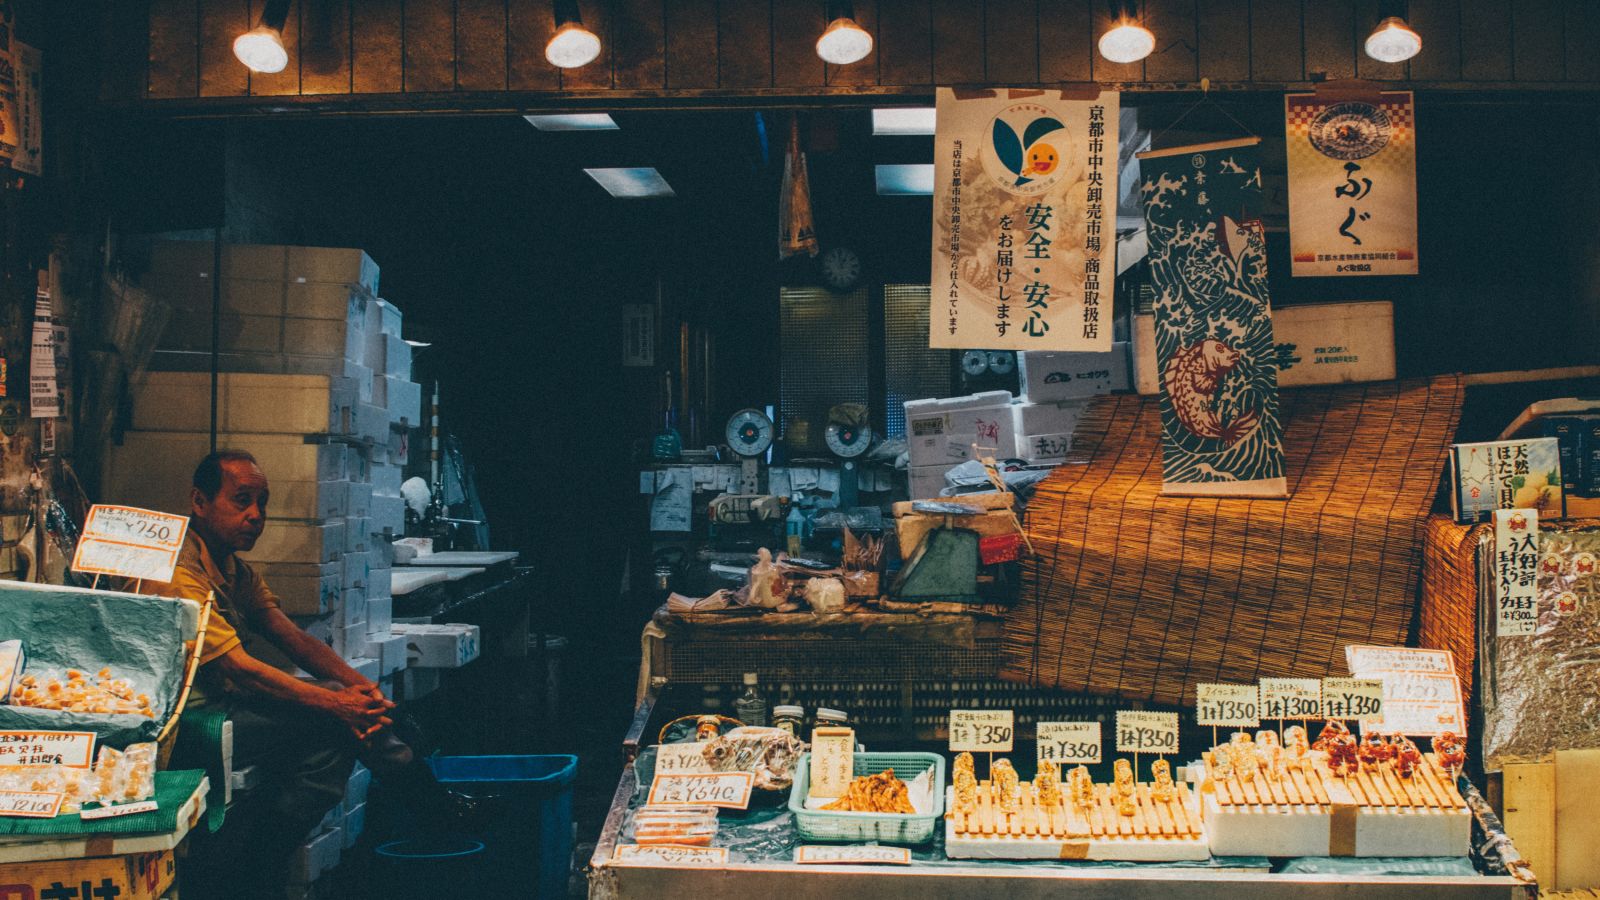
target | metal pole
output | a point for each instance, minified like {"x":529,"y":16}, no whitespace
{"x":216,"y":326}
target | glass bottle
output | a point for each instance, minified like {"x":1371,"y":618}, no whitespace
{"x":751,"y":707}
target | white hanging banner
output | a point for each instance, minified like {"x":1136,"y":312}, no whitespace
{"x":44,"y":398}
{"x":1024,"y":219}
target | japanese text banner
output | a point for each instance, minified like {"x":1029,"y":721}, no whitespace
{"x":1024,"y":221}
{"x":1352,"y":184}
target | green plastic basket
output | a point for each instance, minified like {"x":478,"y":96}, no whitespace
{"x":855,"y":827}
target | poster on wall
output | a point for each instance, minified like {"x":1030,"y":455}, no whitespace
{"x":1215,"y":357}
{"x":30,"y":110}
{"x":10,"y":123}
{"x":1352,"y":183}
{"x":1024,"y":219}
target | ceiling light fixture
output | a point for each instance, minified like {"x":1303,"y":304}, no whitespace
{"x":843,"y":41}
{"x":261,"y":48}
{"x":632,"y":183}
{"x":1127,"y":41}
{"x":572,"y":45}
{"x":573,"y":122}
{"x":1393,"y":41}
{"x":901,"y":120}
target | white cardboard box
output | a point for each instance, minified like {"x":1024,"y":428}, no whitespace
{"x":1051,"y":376}
{"x":1044,"y":430}
{"x":942,"y":431}
{"x":380,"y":615}
{"x":926,"y":481}
{"x":439,"y":646}
{"x":404,"y":401}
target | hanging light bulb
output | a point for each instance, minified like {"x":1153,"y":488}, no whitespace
{"x":261,"y":48}
{"x":1127,"y":41}
{"x":843,"y":41}
{"x":572,"y":45}
{"x":1393,"y":41}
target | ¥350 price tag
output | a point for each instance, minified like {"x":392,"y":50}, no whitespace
{"x":729,"y":790}
{"x":1291,"y":698}
{"x":1069,"y":743}
{"x":1231,"y":705}
{"x":1141,"y":731}
{"x":668,"y":855}
{"x":981,"y":730}
{"x":1352,"y":698}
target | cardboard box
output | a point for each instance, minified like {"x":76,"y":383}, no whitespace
{"x":246,"y":403}
{"x":299,"y":541}
{"x":1053,"y":377}
{"x":941,"y":432}
{"x":1330,"y":343}
{"x":133,"y":876}
{"x":266,"y":262}
{"x":154,"y":470}
{"x":439,"y":646}
{"x":304,"y":589}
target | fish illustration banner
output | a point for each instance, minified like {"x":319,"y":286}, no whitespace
{"x":1221,"y":435}
{"x":1352,"y":183}
{"x":1024,"y":220}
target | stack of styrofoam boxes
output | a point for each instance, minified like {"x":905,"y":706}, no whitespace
{"x":430,"y":648}
{"x":1055,"y":389}
{"x":324,"y":846}
{"x":940,"y":435}
{"x":317,"y":385}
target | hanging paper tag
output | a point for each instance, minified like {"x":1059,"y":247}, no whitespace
{"x":1069,"y":743}
{"x":1142,"y":731}
{"x":1230,"y":705}
{"x":983,"y":730}
{"x":1516,"y":570}
{"x":1291,"y":698}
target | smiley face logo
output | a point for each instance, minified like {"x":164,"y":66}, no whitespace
{"x":1551,"y":566}
{"x":1583,"y":564}
{"x":1566,"y":602}
{"x":1042,"y":159}
{"x":1024,"y":149}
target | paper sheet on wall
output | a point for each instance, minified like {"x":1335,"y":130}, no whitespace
{"x":672,"y":507}
{"x":1421,"y":693}
{"x":44,"y":397}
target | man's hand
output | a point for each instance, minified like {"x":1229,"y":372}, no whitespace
{"x":362,"y":711}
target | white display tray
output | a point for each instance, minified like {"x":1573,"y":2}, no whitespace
{"x":1155,"y":835}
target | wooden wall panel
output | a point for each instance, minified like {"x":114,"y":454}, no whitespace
{"x":1439,"y":23}
{"x":640,"y":57}
{"x":1583,"y":40}
{"x":796,"y":25}
{"x":1173,"y":23}
{"x":1011,"y":42}
{"x":481,"y":45}
{"x":744,"y":42}
{"x":125,"y":40}
{"x":376,"y":44}
{"x":221,"y":73}
{"x":287,"y":82}
{"x":174,"y":52}
{"x":1330,"y":35}
{"x":429,"y":46}
{"x":693,"y":56}
{"x":1539,"y":46}
{"x":596,"y":75}
{"x":1367,"y":18}
{"x":1104,"y":69}
{"x":1276,"y":49}
{"x":528,"y":29}
{"x":905,"y":42}
{"x":957,"y":42}
{"x":1066,"y":41}
{"x":1485,"y":40}
{"x":1224,"y":27}
{"x":863,"y":72}
{"x":325,"y":47}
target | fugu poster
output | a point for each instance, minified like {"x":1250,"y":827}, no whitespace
{"x":1024,"y":220}
{"x":1221,"y":435}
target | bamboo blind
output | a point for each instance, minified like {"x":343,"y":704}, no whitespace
{"x":1141,"y":596}
{"x":1450,"y":588}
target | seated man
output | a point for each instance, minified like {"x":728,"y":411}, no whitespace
{"x":306,"y":734}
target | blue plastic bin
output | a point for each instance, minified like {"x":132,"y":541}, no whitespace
{"x":533,"y":844}
{"x":440,"y":866}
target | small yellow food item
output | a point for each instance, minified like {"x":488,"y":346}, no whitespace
{"x":1047,"y":786}
{"x":966,"y":784}
{"x":1007,"y":788}
{"x":1125,"y":787}
{"x":880,"y":793}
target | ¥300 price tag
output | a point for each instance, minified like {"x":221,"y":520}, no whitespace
{"x":729,"y":790}
{"x":1291,"y":698}
{"x":669,"y":855}
{"x":30,"y":804}
{"x":1069,"y":743}
{"x":1141,"y":731}
{"x":1231,"y":705}
{"x":981,"y":730}
{"x":1352,"y":698}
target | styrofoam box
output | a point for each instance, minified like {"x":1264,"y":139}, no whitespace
{"x":399,"y":448}
{"x":404,"y":400}
{"x":439,"y":646}
{"x":942,"y":431}
{"x":366,"y":667}
{"x":320,"y":627}
{"x":388,"y":515}
{"x":273,"y":262}
{"x":357,"y":535}
{"x":386,"y":478}
{"x":275,"y":404}
{"x":926,"y":481}
{"x":394,"y":653}
{"x":154,"y":469}
{"x":372,"y":423}
{"x":316,"y":857}
{"x":380,"y":578}
{"x":353,"y":571}
{"x":1044,"y":430}
{"x":353,"y":643}
{"x":298,"y":540}
{"x":358,"y":465}
{"x":353,"y":610}
{"x":385,"y":317}
{"x":355,"y":790}
{"x":355,"y":822}
{"x":361,"y":376}
{"x":380,"y":614}
{"x":303,"y":589}
{"x":418,"y":683}
{"x":1051,"y":377}
{"x":359,"y":505}
{"x":396,"y":357}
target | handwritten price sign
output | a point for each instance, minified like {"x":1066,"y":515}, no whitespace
{"x":1069,"y":743}
{"x":130,"y":542}
{"x":1352,"y":698}
{"x":1233,"y":705}
{"x":728,"y":790}
{"x":1140,"y":731}
{"x":677,"y":758}
{"x":30,"y":804}
{"x":1291,"y":698}
{"x":986,"y":730}
{"x":46,"y":748}
{"x":885,"y":856}
{"x":669,"y":855}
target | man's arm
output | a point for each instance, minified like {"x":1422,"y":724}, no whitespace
{"x":353,"y":706}
{"x":306,"y":651}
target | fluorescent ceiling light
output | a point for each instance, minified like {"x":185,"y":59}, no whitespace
{"x":632,"y":184}
{"x":574,"y":122}
{"x":905,"y":180}
{"x":903,"y":120}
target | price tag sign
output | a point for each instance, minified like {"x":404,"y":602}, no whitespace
{"x":728,"y":790}
{"x":1291,"y":698}
{"x":1069,"y":743}
{"x":1231,"y":705}
{"x":130,"y":542}
{"x":822,"y":855}
{"x":675,"y":758}
{"x":668,"y":855}
{"x":30,"y":804}
{"x":1516,"y":572}
{"x":1141,"y":731}
{"x":1421,"y":692}
{"x":833,"y":764}
{"x":981,"y":730}
{"x":123,"y":809}
{"x":1352,"y":698}
{"x":46,"y":748}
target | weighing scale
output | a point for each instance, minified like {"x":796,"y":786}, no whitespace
{"x":848,"y":442}
{"x":749,"y":434}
